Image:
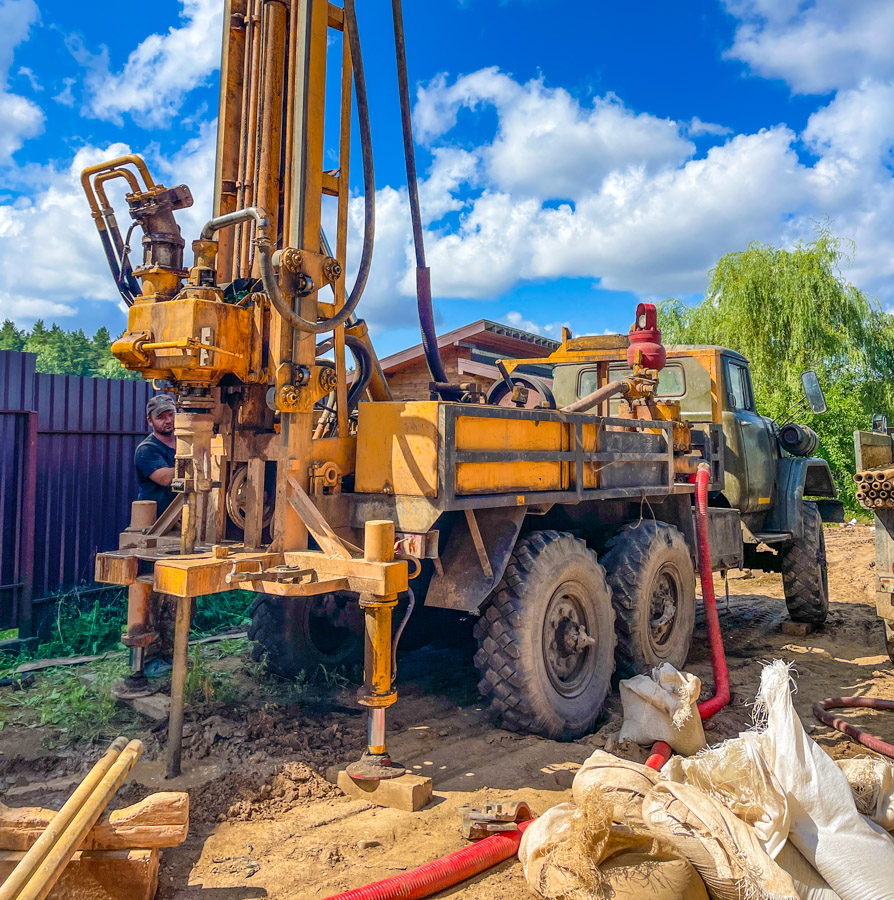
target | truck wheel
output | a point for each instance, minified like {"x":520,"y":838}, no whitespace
{"x":889,"y":638}
{"x":652,"y":579}
{"x":804,"y":576}
{"x":547,"y":638}
{"x":303,"y":633}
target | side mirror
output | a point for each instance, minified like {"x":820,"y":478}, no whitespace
{"x":815,"y":398}
{"x":880,"y":424}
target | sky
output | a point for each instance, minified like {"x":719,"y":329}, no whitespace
{"x":574,"y":157}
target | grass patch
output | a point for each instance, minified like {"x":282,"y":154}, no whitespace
{"x":205,"y":685}
{"x":74,"y":704}
{"x":218,"y":612}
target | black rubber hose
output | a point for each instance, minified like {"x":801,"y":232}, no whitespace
{"x":423,"y":273}
{"x":264,"y":244}
{"x":364,"y":370}
{"x":364,"y":363}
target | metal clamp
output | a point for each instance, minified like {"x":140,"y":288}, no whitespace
{"x":482,"y":821}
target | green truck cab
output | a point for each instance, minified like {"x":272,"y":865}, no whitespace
{"x":781,"y":493}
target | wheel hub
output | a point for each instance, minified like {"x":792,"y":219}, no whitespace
{"x":566,"y":640}
{"x":663,"y":604}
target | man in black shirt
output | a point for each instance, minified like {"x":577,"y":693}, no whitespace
{"x":154,"y":457}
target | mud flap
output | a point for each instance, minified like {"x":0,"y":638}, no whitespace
{"x":463,"y":585}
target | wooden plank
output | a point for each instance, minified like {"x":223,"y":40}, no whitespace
{"x":114,"y":569}
{"x":196,"y":576}
{"x":160,"y":820}
{"x":99,"y":874}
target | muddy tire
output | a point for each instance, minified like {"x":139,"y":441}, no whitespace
{"x":652,"y":580}
{"x":538,"y":667}
{"x":804,"y":576}
{"x":301,"y":634}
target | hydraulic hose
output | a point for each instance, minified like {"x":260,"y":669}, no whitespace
{"x":708,"y":708}
{"x":821,"y":707}
{"x":660,"y":750}
{"x":364,"y":361}
{"x":423,"y":273}
{"x":262,"y":241}
{"x":442,"y":873}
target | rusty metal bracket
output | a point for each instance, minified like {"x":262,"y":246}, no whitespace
{"x":482,"y":821}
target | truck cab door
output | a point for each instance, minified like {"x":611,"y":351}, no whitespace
{"x":751,"y":454}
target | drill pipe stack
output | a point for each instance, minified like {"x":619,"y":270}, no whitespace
{"x":875,"y":487}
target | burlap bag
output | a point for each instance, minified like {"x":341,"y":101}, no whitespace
{"x":623,"y":784}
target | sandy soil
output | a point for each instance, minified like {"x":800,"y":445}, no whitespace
{"x":266,"y":823}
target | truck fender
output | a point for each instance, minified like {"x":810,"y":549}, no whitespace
{"x":797,"y":477}
{"x":462,"y":583}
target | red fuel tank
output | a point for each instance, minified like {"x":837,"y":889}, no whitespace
{"x":645,"y":336}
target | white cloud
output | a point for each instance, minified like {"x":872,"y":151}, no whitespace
{"x":21,"y":118}
{"x":548,"y":143}
{"x":50,"y":253}
{"x":815,"y":46}
{"x":160,"y":71}
{"x":517,"y":320}
{"x":649,"y":224}
{"x":697,"y":127}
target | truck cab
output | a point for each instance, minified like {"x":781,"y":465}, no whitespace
{"x":763,"y":479}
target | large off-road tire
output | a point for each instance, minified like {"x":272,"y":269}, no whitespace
{"x":300,"y":634}
{"x":537,"y":664}
{"x":652,"y":580}
{"x":804,"y":577}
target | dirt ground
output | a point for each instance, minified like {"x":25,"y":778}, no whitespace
{"x":266,"y":823}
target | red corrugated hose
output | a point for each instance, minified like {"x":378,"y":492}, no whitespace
{"x":661,"y":751}
{"x":442,"y":873}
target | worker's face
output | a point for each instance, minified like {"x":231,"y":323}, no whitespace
{"x":163,"y":422}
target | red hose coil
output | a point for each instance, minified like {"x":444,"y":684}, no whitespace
{"x":867,"y":740}
{"x":661,"y":751}
{"x":442,"y":873}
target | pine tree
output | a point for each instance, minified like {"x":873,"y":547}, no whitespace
{"x":11,"y":338}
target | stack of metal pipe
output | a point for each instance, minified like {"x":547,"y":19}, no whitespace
{"x":875,"y":487}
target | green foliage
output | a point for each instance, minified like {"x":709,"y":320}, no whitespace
{"x":207,"y":685}
{"x":74,"y":703}
{"x":791,"y":310}
{"x":86,"y":626}
{"x":61,"y":352}
{"x":221,"y":611}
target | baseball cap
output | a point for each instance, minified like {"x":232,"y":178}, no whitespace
{"x":158,"y":404}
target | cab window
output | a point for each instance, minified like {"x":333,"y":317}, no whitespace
{"x":671,"y":380}
{"x":739,"y":386}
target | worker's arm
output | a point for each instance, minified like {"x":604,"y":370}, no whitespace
{"x":163,"y":476}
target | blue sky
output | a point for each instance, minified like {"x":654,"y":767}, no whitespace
{"x":575,"y":157}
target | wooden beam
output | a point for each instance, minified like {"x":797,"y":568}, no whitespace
{"x":321,"y":531}
{"x":160,"y":820}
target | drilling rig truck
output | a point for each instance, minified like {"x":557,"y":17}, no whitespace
{"x":562,"y":519}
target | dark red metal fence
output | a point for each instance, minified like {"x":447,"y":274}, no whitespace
{"x":66,"y":478}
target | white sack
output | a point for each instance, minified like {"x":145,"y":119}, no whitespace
{"x":808,"y":881}
{"x":855,"y":856}
{"x":736,"y":774}
{"x":872,"y":784}
{"x":662,"y":706}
